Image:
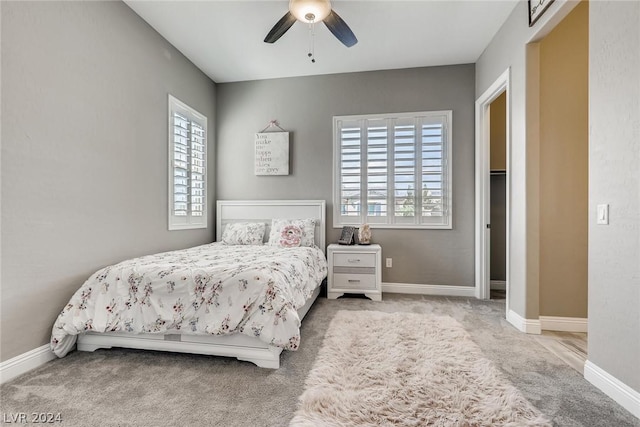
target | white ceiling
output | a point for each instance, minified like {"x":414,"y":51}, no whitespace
{"x":225,"y":38}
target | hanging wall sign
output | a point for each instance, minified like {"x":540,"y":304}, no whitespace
{"x":272,"y":153}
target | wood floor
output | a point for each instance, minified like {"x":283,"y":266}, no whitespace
{"x":571,"y":347}
{"x":498,"y":294}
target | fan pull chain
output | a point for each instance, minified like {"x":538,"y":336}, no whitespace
{"x":312,"y":34}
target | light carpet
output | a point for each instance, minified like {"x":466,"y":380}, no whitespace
{"x":138,"y":388}
{"x":406,"y":369}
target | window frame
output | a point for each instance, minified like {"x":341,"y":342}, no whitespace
{"x":390,"y":223}
{"x":189,"y":221}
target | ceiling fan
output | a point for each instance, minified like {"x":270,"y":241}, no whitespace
{"x":311,"y":12}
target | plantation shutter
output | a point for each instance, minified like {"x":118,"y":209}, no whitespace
{"x":393,"y":171}
{"x":187,"y":167}
{"x":197,"y":169}
{"x":377,"y":171}
{"x":180,"y":165}
{"x":434,"y":163}
{"x":404,"y":170}
{"x":350,"y":175}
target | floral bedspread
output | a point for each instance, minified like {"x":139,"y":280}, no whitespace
{"x":214,"y":289}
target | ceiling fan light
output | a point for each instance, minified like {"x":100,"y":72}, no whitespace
{"x":308,"y":11}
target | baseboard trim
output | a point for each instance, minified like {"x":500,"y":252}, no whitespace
{"x":498,"y":285}
{"x":564,"y":324}
{"x":414,"y":288}
{"x":529,"y":326}
{"x":25,"y":362}
{"x":624,"y":395}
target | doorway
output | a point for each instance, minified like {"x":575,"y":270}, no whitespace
{"x":556,"y":167}
{"x":498,"y":90}
{"x":498,"y":197}
{"x":563,"y":178}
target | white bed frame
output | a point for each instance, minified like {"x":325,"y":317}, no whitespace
{"x":240,"y":346}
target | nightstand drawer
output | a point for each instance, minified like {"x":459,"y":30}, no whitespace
{"x":354,"y":270}
{"x":354,"y":260}
{"x":354,"y":281}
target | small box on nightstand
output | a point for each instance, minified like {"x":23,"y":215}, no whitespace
{"x":354,"y":269}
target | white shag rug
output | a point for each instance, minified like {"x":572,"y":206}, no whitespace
{"x":405,"y":369}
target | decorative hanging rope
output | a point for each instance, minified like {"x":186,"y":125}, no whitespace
{"x":273,"y":123}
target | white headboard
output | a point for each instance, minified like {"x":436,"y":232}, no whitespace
{"x":265,"y":210}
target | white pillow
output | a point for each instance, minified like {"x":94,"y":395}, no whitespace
{"x":244,"y":233}
{"x":290,"y":233}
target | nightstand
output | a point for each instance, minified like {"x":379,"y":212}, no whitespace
{"x":354,"y":269}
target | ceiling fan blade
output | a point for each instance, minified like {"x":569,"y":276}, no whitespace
{"x":280,"y":28}
{"x":340,"y":29}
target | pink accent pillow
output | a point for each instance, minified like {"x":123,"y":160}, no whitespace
{"x":290,"y":233}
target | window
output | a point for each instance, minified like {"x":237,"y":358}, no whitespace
{"x":393,"y":170}
{"x":187,"y":167}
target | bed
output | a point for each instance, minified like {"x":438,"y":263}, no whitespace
{"x":243,"y":300}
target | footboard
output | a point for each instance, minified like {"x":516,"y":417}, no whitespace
{"x":249,"y":349}
{"x":242,"y":347}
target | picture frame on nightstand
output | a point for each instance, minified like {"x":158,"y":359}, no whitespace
{"x":349,"y":236}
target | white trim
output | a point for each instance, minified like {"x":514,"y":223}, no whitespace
{"x":482,"y":179}
{"x":624,"y":395}
{"x":565,"y":324}
{"x":420,"y":289}
{"x":528,"y":326}
{"x":498,"y":285}
{"x":25,"y":362}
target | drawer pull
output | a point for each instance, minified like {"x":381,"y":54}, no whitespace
{"x":353,"y":259}
{"x":353,"y":281}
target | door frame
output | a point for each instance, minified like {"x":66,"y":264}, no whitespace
{"x":483,"y":185}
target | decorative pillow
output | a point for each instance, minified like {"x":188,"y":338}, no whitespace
{"x":244,"y":233}
{"x":290,"y":233}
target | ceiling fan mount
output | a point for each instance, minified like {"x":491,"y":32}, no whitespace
{"x":312,"y":12}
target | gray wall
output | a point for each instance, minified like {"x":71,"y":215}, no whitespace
{"x":614,"y":162}
{"x":84,"y":152}
{"x":305,"y":106}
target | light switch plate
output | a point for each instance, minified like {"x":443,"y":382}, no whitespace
{"x":603,"y":214}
